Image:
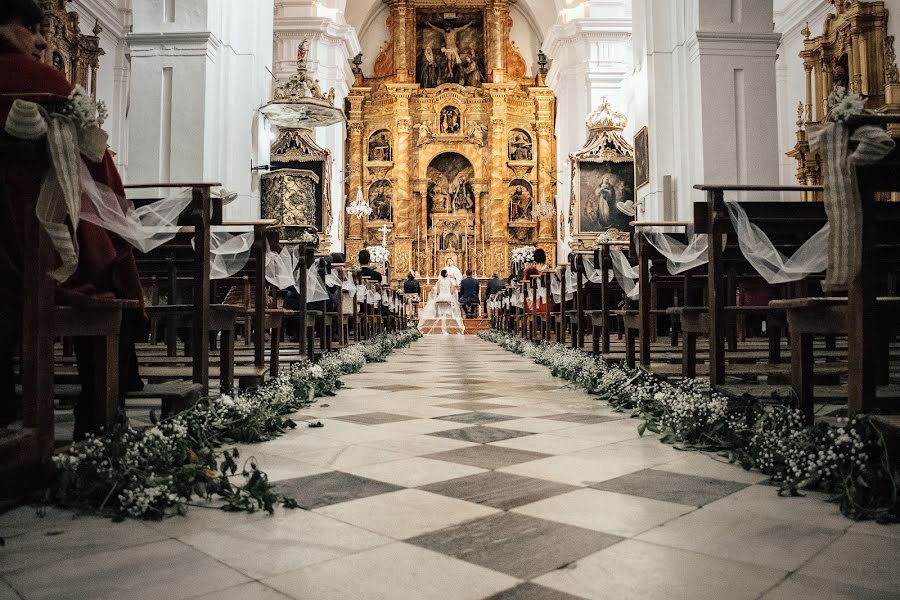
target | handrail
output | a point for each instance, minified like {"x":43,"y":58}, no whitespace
{"x":138,"y":186}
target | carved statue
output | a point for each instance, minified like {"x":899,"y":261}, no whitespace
{"x":302,"y":51}
{"x":423,"y":134}
{"x":520,"y":146}
{"x":477,"y":132}
{"x":520,"y":204}
{"x":380,"y":146}
{"x":450,"y":49}
{"x":380,"y":197}
{"x":450,"y":120}
{"x":439,"y":198}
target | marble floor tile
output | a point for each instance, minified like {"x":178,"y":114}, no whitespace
{"x":33,"y":541}
{"x":476,"y":418}
{"x":633,"y":570}
{"x":374,"y":418}
{"x":405,"y":513}
{"x":610,"y":432}
{"x":165,"y":569}
{"x":812,"y":508}
{"x":398,"y":387}
{"x":469,"y":396}
{"x":608,"y":512}
{"x":514,"y":544}
{"x":332,"y":487}
{"x":532,"y":591}
{"x":487,"y":457}
{"x":574,"y":470}
{"x":395,"y":572}
{"x":418,"y":445}
{"x":481,"y":435}
{"x":276,"y":545}
{"x":745,"y":537}
{"x":526,"y":410}
{"x":670,"y":487}
{"x":582,"y":418}
{"x":498,"y":490}
{"x":538,"y":425}
{"x":708,"y":465}
{"x":7,"y":592}
{"x":414,"y":472}
{"x":469,"y":406}
{"x":348,"y":456}
{"x":247,"y":591}
{"x":804,"y":587}
{"x":878,"y":567}
{"x":547,"y":443}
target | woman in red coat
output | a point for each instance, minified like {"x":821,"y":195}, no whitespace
{"x":105,"y":262}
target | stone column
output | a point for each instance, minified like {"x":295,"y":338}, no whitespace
{"x":403,"y":212}
{"x":355,"y":233}
{"x":401,"y":26}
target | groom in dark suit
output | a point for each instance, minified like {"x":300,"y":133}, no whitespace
{"x":469,"y":294}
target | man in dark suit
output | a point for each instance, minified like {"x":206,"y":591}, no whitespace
{"x":364,"y":259}
{"x":469,"y":294}
{"x":494,"y":285}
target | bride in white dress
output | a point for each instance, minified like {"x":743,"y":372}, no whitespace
{"x":442,"y":313}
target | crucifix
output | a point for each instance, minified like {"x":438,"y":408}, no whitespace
{"x":384,"y":231}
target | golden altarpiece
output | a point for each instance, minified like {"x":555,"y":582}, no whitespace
{"x":451,"y":144}
{"x":75,"y":54}
{"x":854,"y":51}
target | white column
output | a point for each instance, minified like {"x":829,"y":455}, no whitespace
{"x":198,"y":77}
{"x":704,"y":85}
{"x":590,"y":50}
{"x":332,"y":44}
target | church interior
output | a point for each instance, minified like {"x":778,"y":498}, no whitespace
{"x":451,"y":299}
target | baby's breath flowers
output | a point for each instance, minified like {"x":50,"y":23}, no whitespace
{"x":155,"y":471}
{"x":849,"y":460}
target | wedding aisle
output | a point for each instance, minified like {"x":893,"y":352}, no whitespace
{"x":457,"y":470}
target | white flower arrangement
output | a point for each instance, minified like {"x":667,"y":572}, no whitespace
{"x":848,"y":460}
{"x":84,"y":110}
{"x":843,"y":105}
{"x":151,"y":472}
{"x":309,"y":238}
{"x":379,"y":254}
{"x":523,"y":254}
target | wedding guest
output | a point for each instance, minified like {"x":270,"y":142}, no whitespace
{"x":468,"y":294}
{"x":538,"y":265}
{"x":105,"y":262}
{"x":365,"y":259}
{"x":411,"y":285}
{"x":494,"y":285}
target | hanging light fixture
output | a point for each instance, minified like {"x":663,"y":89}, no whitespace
{"x":359,"y":208}
{"x":544,"y":209}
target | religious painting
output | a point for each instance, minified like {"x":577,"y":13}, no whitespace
{"x":520,"y":200}
{"x":450,"y":120}
{"x":380,"y":146}
{"x":380,"y":196}
{"x":641,"y":158}
{"x":450,"y":187}
{"x":449,"y":47}
{"x":605,"y":196}
{"x":520,"y":146}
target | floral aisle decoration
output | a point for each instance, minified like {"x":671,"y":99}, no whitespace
{"x":379,"y":254}
{"x":849,"y":461}
{"x":523,"y":254}
{"x":160,"y":470}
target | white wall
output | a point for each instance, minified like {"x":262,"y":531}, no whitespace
{"x":203,"y":126}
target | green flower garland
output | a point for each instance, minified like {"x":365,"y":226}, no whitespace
{"x":148,"y":473}
{"x":849,"y":461}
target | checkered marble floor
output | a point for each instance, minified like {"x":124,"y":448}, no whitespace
{"x":459,"y":471}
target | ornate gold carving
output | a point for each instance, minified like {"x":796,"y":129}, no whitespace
{"x":890,"y":61}
{"x":75,"y":54}
{"x":472,"y":122}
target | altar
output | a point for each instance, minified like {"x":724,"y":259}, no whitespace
{"x":451,"y":143}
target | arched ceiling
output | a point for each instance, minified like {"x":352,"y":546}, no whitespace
{"x":540,"y":13}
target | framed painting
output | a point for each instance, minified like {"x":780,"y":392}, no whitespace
{"x":604,"y":194}
{"x":450,"y":47}
{"x":641,"y":158}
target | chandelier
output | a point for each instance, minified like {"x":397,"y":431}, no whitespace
{"x":544,"y":209}
{"x":359,"y":208}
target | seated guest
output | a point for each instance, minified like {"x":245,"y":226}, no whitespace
{"x":468,"y":294}
{"x":538,"y":266}
{"x":365,"y":258}
{"x":105,"y":265}
{"x":411,"y":285}
{"x":494,"y":285}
